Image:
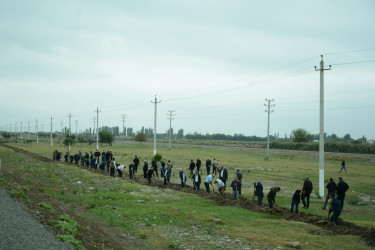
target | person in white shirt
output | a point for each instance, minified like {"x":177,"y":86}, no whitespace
{"x":221,"y":186}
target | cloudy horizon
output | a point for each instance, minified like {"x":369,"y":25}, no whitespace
{"x":213,"y":62}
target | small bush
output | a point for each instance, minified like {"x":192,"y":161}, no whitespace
{"x":352,"y":199}
{"x":67,"y":224}
{"x":45,"y":205}
{"x":143,"y":236}
{"x":69,"y":239}
{"x":20,"y":194}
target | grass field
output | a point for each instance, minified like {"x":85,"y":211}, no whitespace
{"x":166,"y":218}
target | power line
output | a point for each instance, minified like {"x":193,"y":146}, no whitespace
{"x":353,"y":62}
{"x":347,"y":52}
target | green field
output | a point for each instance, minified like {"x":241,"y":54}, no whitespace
{"x":175,"y":219}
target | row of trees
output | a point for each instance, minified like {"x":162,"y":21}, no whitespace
{"x":302,"y":135}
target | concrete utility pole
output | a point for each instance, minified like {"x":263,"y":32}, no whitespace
{"x":70,"y":122}
{"x":76,"y":121}
{"x":36,"y":129}
{"x":61,"y":124}
{"x":28,"y":130}
{"x":170,"y":126}
{"x":97,"y":128}
{"x":156,"y":102}
{"x":93,"y":128}
{"x":51,"y":133}
{"x":321,"y":128}
{"x":269,"y":111}
{"x":21,"y":130}
{"x":123,"y":117}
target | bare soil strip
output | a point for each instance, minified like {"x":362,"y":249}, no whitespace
{"x":344,"y":228}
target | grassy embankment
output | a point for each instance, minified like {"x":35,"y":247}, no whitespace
{"x":113,"y":201}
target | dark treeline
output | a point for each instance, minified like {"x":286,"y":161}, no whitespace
{"x":339,"y":147}
{"x":235,"y":137}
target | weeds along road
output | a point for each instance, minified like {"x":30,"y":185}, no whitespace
{"x":19,"y":230}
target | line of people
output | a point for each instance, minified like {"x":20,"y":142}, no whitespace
{"x":335,"y":196}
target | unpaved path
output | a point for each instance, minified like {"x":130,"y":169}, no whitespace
{"x":20,"y":230}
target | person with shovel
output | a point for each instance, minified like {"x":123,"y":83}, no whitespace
{"x":271,"y":196}
{"x":220,"y":185}
{"x":208,"y":182}
{"x":182,"y":177}
{"x":258,"y":191}
{"x":236,"y":186}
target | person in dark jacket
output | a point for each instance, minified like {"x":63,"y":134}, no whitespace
{"x":336,"y":209}
{"x":191,"y":167}
{"x":258,"y":191}
{"x":236,"y":187}
{"x":103,"y":156}
{"x":271,"y":196}
{"x":343,"y":166}
{"x":239,"y":175}
{"x":154,"y":165}
{"x":196,"y":180}
{"x":167,"y":176}
{"x":306,"y":192}
{"x":295,"y":200}
{"x":136,"y":163}
{"x":150,"y":173}
{"x":182,"y":177}
{"x":198,"y":164}
{"x":342,"y":187}
{"x":102,"y":166}
{"x":76,"y":159}
{"x":145,"y":169}
{"x":331,"y":188}
{"x":82,"y":161}
{"x":208,"y":166}
{"x":131,"y":170}
{"x":223,"y":175}
{"x":162,"y":169}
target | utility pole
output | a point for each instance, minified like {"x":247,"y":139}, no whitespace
{"x":28,"y":130}
{"x":61,"y":124}
{"x":36,"y":129}
{"x":51,"y":133}
{"x":93,"y":128}
{"x":321,"y":128}
{"x":123,"y":117}
{"x":70,"y":119}
{"x":21,"y":130}
{"x":42,"y":128}
{"x":156,"y":103}
{"x":70,"y":130}
{"x":97,"y":128}
{"x":269,"y":111}
{"x":170,"y":126}
{"x":76,"y":125}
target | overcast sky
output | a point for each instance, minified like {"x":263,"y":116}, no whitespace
{"x":213,"y":62}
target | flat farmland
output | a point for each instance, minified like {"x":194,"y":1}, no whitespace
{"x":143,"y":216}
